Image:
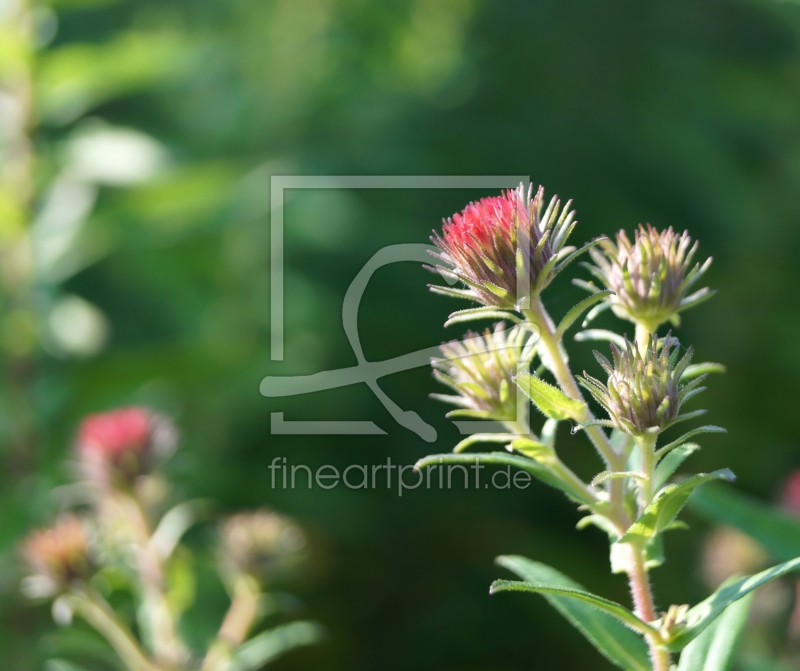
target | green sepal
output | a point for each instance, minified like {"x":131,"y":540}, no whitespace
{"x":704,"y":613}
{"x":550,"y":400}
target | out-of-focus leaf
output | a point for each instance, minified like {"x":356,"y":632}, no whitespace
{"x":269,"y":645}
{"x":713,"y":650}
{"x":777,"y":531}
{"x":709,"y":428}
{"x":704,"y":613}
{"x":550,"y":400}
{"x":75,"y":78}
{"x":615,"y":641}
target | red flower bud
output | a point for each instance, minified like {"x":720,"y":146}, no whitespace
{"x":116,"y":447}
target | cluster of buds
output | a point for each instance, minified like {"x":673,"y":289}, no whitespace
{"x":644,"y":392}
{"x":118,"y":447}
{"x":503,"y":248}
{"x":261,"y":542}
{"x":481,"y":370}
{"x":650,"y":277}
{"x":59,"y":555}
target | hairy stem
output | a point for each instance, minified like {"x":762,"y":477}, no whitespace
{"x":644,"y":606}
{"x":538,"y":316}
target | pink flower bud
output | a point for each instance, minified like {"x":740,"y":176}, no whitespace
{"x":116,"y":447}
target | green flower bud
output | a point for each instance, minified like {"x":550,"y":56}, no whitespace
{"x":481,"y":370}
{"x":644,"y":392}
{"x":650,"y":277}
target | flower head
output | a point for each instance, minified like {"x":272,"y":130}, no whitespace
{"x":115,"y":448}
{"x":644,"y":392}
{"x":481,"y":370}
{"x":503,"y":248}
{"x":650,"y":277}
{"x":260,"y":542}
{"x":59,"y":554}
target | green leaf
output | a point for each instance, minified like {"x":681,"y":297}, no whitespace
{"x":713,"y":650}
{"x":592,"y":335}
{"x":776,"y":530}
{"x":663,"y":510}
{"x":533,"y":449}
{"x":709,"y":428}
{"x":471,"y":314}
{"x":705,"y":612}
{"x":671,"y":462}
{"x":612,"y":639}
{"x":483,"y":438}
{"x":572,"y":316}
{"x":550,"y":400}
{"x":537,"y":468}
{"x":269,"y":645}
{"x":610,"y":607}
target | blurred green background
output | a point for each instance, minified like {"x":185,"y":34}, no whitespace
{"x":156,"y":127}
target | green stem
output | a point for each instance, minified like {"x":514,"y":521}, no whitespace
{"x":647,"y":447}
{"x":538,"y":316}
{"x":93,"y":608}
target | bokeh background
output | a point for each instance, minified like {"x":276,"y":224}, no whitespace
{"x":155,"y":127}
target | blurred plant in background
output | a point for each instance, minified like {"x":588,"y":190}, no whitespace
{"x":124,"y":539}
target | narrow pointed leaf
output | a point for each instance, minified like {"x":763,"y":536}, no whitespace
{"x":669,"y":464}
{"x":709,"y":428}
{"x":269,"y":645}
{"x":610,"y":607}
{"x":573,"y":315}
{"x":590,"y":335}
{"x":776,"y":530}
{"x":483,"y":438}
{"x":550,"y":400}
{"x":471,"y":314}
{"x":704,"y":613}
{"x":713,"y":650}
{"x":698,"y":369}
{"x":536,"y":468}
{"x":663,"y":510}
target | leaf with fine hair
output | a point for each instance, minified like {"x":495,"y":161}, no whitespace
{"x":666,"y":506}
{"x":610,"y":607}
{"x":550,"y":400}
{"x":613,"y":640}
{"x":775,"y":529}
{"x":537,"y":468}
{"x":704,"y":613}
{"x":471,"y":314}
{"x":671,"y":462}
{"x":572,"y":316}
{"x":476,"y":438}
{"x":713,"y":650}
{"x":709,"y":428}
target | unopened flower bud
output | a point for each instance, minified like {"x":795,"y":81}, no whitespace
{"x":115,"y":448}
{"x":491,"y":242}
{"x":481,"y":370}
{"x":261,"y":542}
{"x":59,"y":554}
{"x":644,"y":392}
{"x":650,"y":277}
